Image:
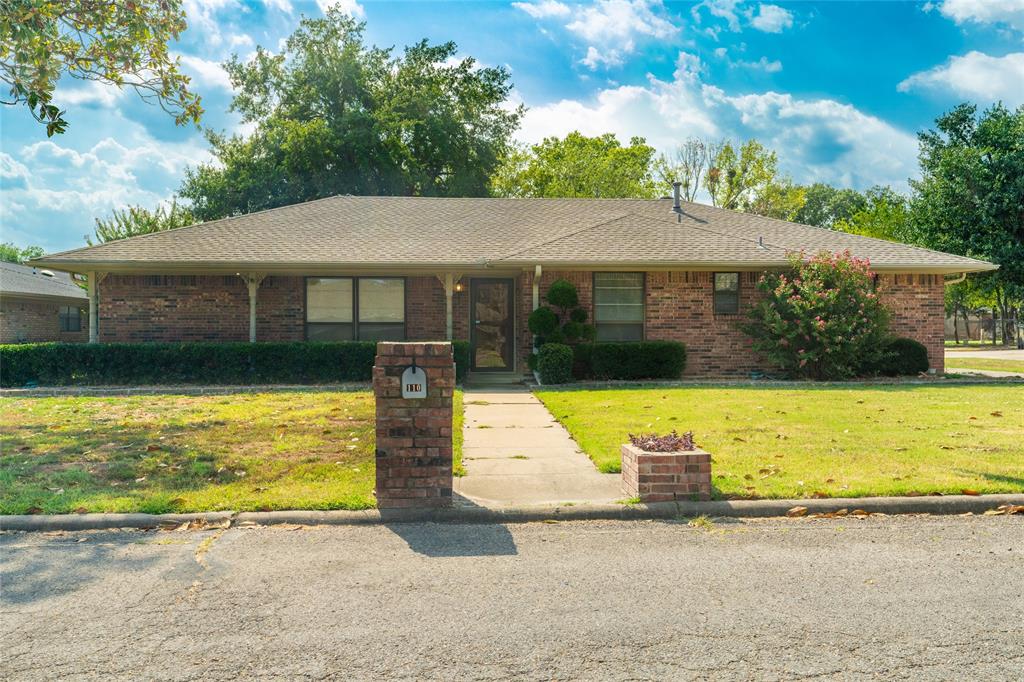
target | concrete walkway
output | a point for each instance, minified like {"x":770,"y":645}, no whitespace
{"x":515,"y":453}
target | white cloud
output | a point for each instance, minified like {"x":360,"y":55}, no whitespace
{"x":87,"y":92}
{"x":240,"y":40}
{"x":543,"y":9}
{"x":975,"y":75}
{"x":607,"y":58}
{"x":761,"y":64}
{"x":610,"y":20}
{"x":76,"y":186}
{"x":206,"y":71}
{"x":723,"y":9}
{"x":1009,"y":12}
{"x":817,"y":139}
{"x":771,"y":18}
{"x":349,"y":7}
{"x":201,"y":17}
{"x":280,"y":5}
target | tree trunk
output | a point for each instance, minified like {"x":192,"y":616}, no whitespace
{"x":967,"y":322}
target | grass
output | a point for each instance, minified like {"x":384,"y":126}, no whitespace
{"x":173,"y":453}
{"x":985,"y":363}
{"x":824,"y":441}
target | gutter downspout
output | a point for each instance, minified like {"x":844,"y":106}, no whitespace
{"x":94,"y":306}
{"x":961,"y":277}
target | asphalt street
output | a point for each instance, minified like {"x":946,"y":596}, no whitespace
{"x":880,"y":598}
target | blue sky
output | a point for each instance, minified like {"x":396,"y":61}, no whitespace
{"x":838,"y":89}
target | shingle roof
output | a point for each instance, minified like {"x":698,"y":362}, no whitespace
{"x":419,"y":231}
{"x":27,"y":281}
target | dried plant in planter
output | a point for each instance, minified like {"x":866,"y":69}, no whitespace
{"x":672,"y":442}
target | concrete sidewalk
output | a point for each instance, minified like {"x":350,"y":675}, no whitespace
{"x":515,"y":453}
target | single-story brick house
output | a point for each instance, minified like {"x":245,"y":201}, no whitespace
{"x":40,"y":305}
{"x":418,"y":268}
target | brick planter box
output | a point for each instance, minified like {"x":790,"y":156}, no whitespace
{"x":666,"y":476}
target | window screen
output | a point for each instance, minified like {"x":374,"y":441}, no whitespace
{"x":727,"y":293}
{"x":349,"y":308}
{"x":619,"y":306}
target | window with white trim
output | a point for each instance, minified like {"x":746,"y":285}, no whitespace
{"x":619,"y":306}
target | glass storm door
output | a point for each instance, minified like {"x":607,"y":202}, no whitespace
{"x":493,"y":330}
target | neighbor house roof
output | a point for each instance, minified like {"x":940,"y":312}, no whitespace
{"x":25,"y":281}
{"x":404,"y":232}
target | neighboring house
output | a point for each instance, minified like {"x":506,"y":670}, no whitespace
{"x":428,"y":268}
{"x":40,"y":305}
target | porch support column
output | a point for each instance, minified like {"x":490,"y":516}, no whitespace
{"x":94,"y":304}
{"x":448,"y":279}
{"x":252,"y":281}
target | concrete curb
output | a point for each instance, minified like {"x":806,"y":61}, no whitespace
{"x":949,"y":504}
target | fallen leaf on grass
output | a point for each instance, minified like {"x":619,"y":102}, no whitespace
{"x":151,"y":448}
{"x":968,"y":491}
{"x":797,"y":511}
{"x":997,"y":413}
{"x":34,"y":510}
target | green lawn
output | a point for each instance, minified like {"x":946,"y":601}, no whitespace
{"x":985,"y":363}
{"x":820,"y":440}
{"x":178,"y":453}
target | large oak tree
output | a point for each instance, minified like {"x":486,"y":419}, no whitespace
{"x":332,"y":115}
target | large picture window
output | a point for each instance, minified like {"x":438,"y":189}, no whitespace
{"x":70,"y":319}
{"x":619,"y":306}
{"x":727,"y":293}
{"x":355,"y":309}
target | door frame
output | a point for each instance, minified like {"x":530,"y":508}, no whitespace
{"x":510,"y":360}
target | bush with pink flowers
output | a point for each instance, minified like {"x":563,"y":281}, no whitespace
{"x":821,"y":319}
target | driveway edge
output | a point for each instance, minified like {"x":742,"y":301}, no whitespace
{"x":947,"y":504}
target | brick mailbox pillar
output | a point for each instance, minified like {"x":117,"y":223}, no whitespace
{"x":414,"y":434}
{"x":666,"y":476}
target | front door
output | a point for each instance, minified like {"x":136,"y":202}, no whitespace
{"x":492,"y":335}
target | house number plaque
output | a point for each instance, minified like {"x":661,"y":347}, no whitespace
{"x":414,"y":382}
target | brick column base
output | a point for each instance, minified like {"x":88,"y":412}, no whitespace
{"x":414,"y":436}
{"x":666,"y":476}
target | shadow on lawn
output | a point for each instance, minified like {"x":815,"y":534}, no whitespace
{"x":66,"y":471}
{"x":1016,"y":481}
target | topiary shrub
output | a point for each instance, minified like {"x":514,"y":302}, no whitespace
{"x":900,"y":357}
{"x":554,"y":363}
{"x":638,"y":360}
{"x":821,"y":319}
{"x":542,"y":322}
{"x":562,"y":294}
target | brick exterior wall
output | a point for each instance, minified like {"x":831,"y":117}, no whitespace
{"x":678,"y":307}
{"x":665,"y":476}
{"x":28,"y":321}
{"x":414,"y":436}
{"x":919,"y":309}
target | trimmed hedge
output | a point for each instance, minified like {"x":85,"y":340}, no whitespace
{"x":639,"y":360}
{"x":901,"y":356}
{"x":554,"y":363}
{"x":67,"y":364}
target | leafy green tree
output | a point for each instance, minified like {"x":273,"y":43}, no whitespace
{"x":579,"y":166}
{"x":886,"y":215}
{"x":115,"y":42}
{"x":332,"y":115}
{"x":9,"y":253}
{"x":970,"y":198}
{"x":687,"y":165}
{"x":824,"y":205}
{"x":135,"y":220}
{"x":748,"y":180}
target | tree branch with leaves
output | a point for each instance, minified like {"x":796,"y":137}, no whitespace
{"x":115,"y":42}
